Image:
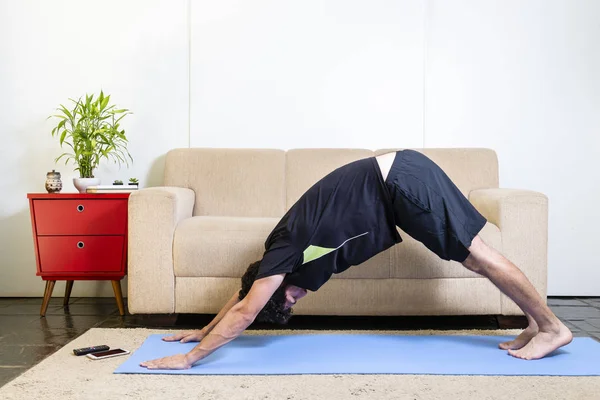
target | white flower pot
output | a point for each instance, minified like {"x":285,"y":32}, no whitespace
{"x":82,"y":183}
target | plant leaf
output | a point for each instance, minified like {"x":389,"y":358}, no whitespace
{"x":62,"y":137}
{"x":105,"y":102}
{"x":60,"y":125}
{"x":67,"y":112}
{"x":62,"y":155}
{"x":119,"y":119}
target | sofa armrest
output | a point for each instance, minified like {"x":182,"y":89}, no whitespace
{"x":522,"y":217}
{"x":153,"y":216}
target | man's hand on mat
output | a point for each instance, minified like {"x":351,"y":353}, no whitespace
{"x":185,"y":337}
{"x":178,"y":361}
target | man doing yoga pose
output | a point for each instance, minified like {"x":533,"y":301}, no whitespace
{"x":348,"y":217}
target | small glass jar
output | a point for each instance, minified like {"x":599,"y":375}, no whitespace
{"x":53,"y":182}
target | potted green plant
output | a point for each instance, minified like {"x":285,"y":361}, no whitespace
{"x":92,"y":130}
{"x":133,"y":181}
{"x":117,"y":182}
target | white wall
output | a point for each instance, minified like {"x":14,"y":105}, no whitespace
{"x":522,"y":77}
{"x":137,"y":51}
{"x":312,"y":73}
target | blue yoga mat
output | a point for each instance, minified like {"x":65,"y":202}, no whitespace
{"x":369,"y":354}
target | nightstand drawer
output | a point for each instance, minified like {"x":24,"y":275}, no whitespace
{"x":81,"y":217}
{"x":81,"y":253}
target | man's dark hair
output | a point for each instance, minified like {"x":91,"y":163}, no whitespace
{"x":273,"y":311}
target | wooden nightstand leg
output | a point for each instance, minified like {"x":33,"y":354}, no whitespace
{"x":68,"y":289}
{"x":119,"y":296}
{"x":47,"y":295}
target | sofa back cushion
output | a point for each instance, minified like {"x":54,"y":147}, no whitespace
{"x":469,"y":168}
{"x":230,"y":182}
{"x":267,"y":182}
{"x":305,"y":167}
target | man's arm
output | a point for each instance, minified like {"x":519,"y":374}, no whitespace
{"x":238,"y":318}
{"x":233,"y":323}
{"x":235,"y":299}
{"x":197,"y":335}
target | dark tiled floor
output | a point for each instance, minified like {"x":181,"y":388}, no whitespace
{"x":26,"y":338}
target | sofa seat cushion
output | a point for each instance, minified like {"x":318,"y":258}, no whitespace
{"x":412,"y":260}
{"x":219,"y":246}
{"x":376,"y":267}
{"x":225,"y":246}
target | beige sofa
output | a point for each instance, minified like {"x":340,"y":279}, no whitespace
{"x":191,"y":239}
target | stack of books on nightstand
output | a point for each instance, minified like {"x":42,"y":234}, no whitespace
{"x":112,"y":188}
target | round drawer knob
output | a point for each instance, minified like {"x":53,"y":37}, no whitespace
{"x":80,"y":245}
{"x":80,"y":208}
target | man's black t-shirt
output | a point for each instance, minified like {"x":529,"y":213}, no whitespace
{"x":343,"y":220}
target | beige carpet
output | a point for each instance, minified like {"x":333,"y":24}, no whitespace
{"x":65,"y":376}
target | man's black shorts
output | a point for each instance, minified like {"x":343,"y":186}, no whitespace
{"x":430,"y":208}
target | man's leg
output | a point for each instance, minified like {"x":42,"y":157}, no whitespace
{"x":552,"y":333}
{"x":524,"y":337}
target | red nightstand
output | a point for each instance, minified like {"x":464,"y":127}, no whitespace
{"x":79,"y":236}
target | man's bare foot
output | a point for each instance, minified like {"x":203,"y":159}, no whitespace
{"x":520,"y":340}
{"x":544,"y":343}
